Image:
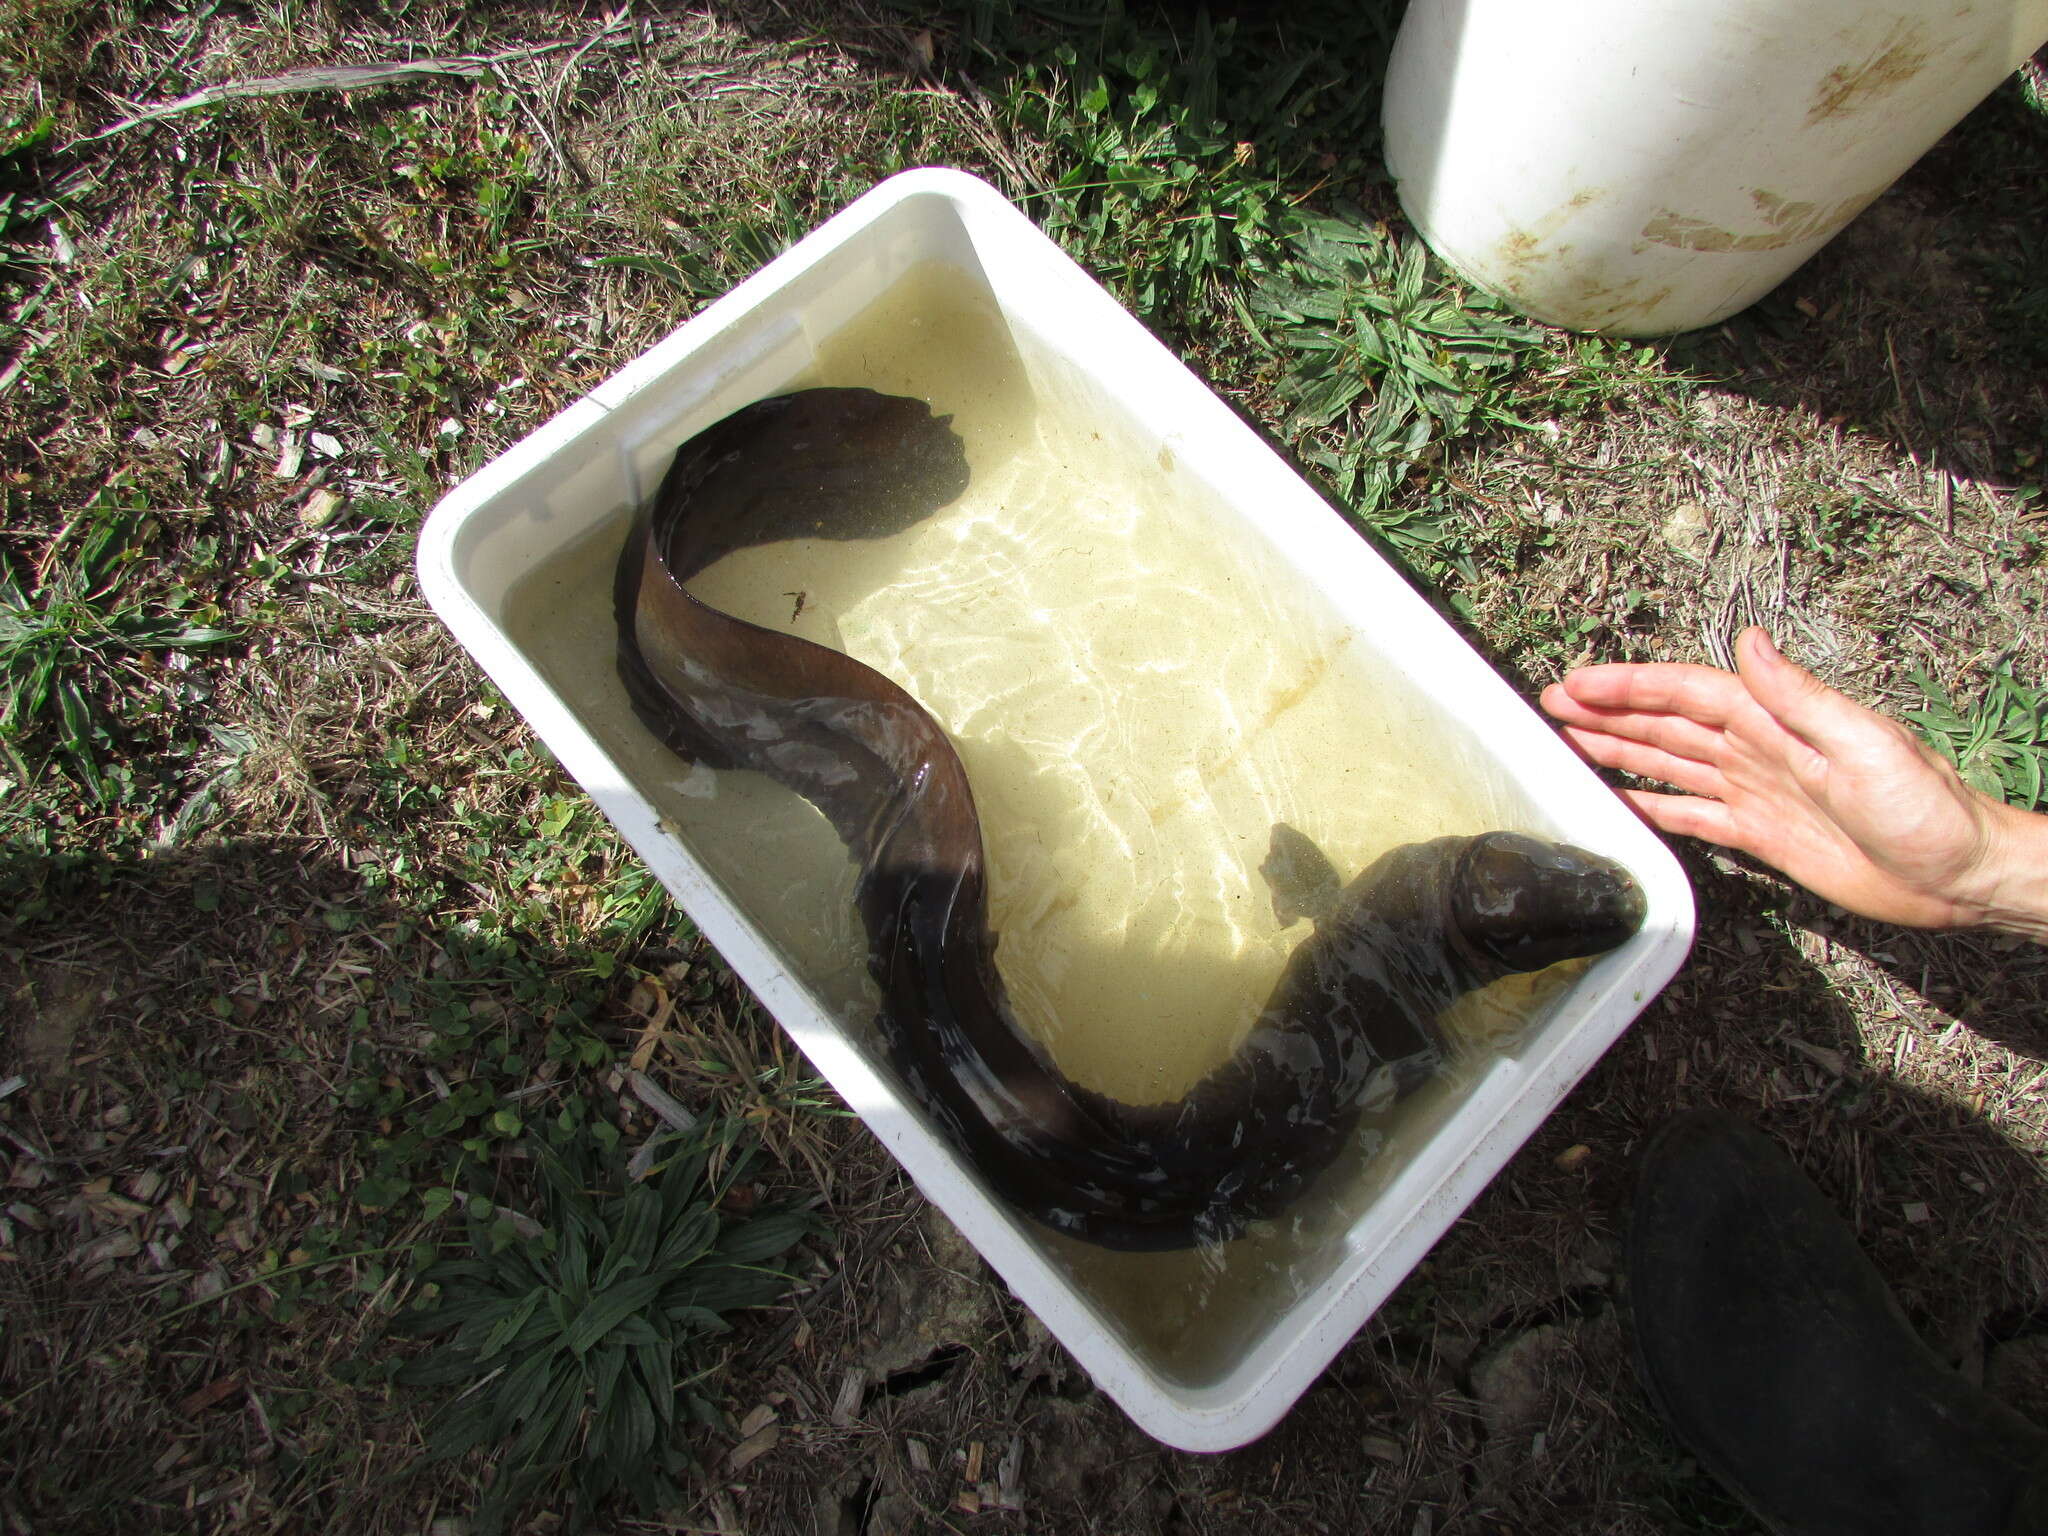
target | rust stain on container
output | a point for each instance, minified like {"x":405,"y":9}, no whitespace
{"x":1852,"y":87}
{"x":1517,"y":247}
{"x":1786,"y":223}
{"x":1524,"y":247}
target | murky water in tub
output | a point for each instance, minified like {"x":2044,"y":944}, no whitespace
{"x":1139,"y":692}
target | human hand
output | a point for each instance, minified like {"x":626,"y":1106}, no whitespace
{"x":1847,"y":803}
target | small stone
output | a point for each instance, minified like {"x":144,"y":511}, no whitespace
{"x":1688,"y":528}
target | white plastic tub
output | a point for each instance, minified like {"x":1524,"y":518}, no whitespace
{"x":572,"y":482}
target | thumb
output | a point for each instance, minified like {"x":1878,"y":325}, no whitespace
{"x":1831,"y":723}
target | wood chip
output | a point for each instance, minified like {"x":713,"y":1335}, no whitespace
{"x":1917,"y":1212}
{"x":758,"y":1420}
{"x":969,"y":1502}
{"x":919,"y":1454}
{"x":1829,"y":1061}
{"x":1572,"y":1157}
{"x":1381,"y":1448}
{"x":648,"y":1092}
{"x":847,"y":1404}
{"x":123,"y":1244}
{"x":176,"y":1452}
{"x":654,"y":1031}
{"x":212,"y":1393}
{"x":974,"y":1453}
{"x":319,"y":509}
{"x":753,"y":1448}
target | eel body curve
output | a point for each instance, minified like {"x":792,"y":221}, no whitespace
{"x":1349,"y":1027}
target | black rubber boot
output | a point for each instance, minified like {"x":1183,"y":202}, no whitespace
{"x":1775,"y":1352}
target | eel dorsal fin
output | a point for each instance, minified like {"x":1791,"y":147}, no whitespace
{"x":1303,"y":881}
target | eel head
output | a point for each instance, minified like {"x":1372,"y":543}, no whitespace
{"x":1524,"y":903}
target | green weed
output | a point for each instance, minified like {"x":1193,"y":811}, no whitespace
{"x":581,"y":1350}
{"x":1998,"y":741}
{"x":1155,"y":194}
{"x":1383,"y":362}
{"x":70,"y":640}
{"x":21,"y":202}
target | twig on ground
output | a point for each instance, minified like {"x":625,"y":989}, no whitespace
{"x":344,"y":77}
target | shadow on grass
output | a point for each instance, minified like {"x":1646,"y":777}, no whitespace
{"x":1925,"y":323}
{"x":222,"y":1050}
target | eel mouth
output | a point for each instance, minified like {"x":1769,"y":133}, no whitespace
{"x":1526,"y":903}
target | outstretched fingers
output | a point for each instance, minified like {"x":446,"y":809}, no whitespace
{"x":1676,"y":734}
{"x":1706,"y":695}
{"x":1832,"y":724}
{"x":1689,"y":816}
{"x":1646,"y":761}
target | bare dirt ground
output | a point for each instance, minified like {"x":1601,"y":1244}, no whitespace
{"x":1849,"y":464}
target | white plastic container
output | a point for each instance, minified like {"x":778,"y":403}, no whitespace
{"x":1647,"y":166}
{"x":587,"y":468}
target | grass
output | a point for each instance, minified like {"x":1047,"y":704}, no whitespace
{"x":1998,"y":740}
{"x":576,"y":1343}
{"x":73,"y":643}
{"x":309,"y":951}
